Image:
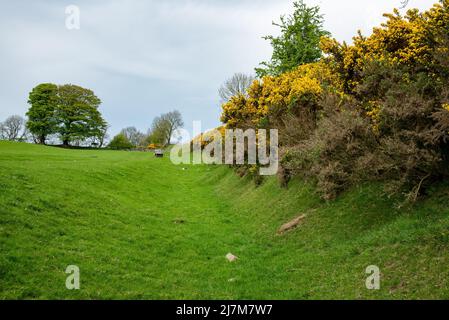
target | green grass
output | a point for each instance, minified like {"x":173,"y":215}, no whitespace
{"x":116,"y":215}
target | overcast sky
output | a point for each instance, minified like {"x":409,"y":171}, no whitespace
{"x":144,"y":58}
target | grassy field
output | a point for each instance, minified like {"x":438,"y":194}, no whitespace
{"x":141,"y":228}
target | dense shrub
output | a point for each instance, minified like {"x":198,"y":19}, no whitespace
{"x":336,"y":153}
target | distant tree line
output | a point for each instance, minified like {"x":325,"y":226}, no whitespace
{"x":158,"y":135}
{"x":69,"y":114}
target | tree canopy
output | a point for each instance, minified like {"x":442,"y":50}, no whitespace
{"x":134,"y":136}
{"x":236,"y":85}
{"x":120,"y":142}
{"x":13,"y":129}
{"x":41,"y":115}
{"x":68,"y":110}
{"x":78,"y":113}
{"x":164,"y":126}
{"x":299,"y":42}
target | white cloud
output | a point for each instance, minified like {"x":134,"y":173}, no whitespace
{"x":147,"y":57}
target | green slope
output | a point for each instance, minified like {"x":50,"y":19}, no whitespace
{"x":140,"y":227}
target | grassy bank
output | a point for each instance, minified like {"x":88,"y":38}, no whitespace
{"x":140,"y":227}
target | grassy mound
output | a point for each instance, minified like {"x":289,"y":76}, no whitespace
{"x":140,"y":227}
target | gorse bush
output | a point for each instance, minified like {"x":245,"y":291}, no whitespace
{"x":374,"y":110}
{"x":335,"y":154}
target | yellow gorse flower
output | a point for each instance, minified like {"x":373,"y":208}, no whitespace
{"x":301,"y":87}
{"x":402,"y":40}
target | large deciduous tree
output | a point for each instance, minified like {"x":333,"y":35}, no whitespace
{"x":77,"y":114}
{"x":70,"y":110}
{"x":173,"y":122}
{"x":164,"y":126}
{"x":157,"y":132}
{"x":41,"y":115}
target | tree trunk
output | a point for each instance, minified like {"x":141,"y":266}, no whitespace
{"x":170,"y":133}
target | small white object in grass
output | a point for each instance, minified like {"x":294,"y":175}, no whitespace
{"x":231,"y":257}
